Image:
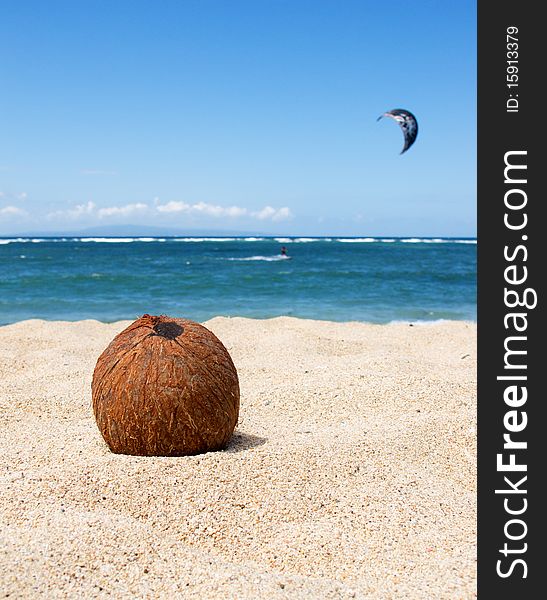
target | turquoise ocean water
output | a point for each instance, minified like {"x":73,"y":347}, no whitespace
{"x":340,"y":279}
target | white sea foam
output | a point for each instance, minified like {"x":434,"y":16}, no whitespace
{"x":106,"y":240}
{"x":21,"y":240}
{"x":281,"y":240}
{"x":205,"y":239}
{"x":425,"y":322}
{"x":437,"y":241}
{"x":300,"y":240}
{"x":261,"y":258}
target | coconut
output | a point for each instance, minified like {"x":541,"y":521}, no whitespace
{"x":165,"y":387}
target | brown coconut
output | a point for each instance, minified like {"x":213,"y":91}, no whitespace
{"x":165,"y":387}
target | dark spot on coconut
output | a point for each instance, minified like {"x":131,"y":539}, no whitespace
{"x":169,"y":330}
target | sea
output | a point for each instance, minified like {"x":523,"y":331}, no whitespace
{"x":372,"y":279}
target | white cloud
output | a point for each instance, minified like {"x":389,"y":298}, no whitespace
{"x":128,"y":209}
{"x":89,"y":209}
{"x":266,"y":213}
{"x":172,"y":207}
{"x":80,"y":210}
{"x":214,"y":210}
{"x":235,"y":211}
{"x":12,"y":211}
{"x":283,"y":214}
{"x":202,"y":208}
{"x":273,"y":214}
{"x":83,"y":209}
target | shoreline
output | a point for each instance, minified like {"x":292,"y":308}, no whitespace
{"x":309,"y":319}
{"x":351,"y":473}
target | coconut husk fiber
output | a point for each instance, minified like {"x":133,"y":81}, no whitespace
{"x":165,"y":387}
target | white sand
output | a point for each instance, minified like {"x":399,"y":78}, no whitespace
{"x":351,"y":473}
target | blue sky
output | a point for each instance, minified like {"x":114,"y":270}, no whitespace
{"x":243,"y":115}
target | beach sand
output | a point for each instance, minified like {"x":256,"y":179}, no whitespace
{"x":351,"y":474}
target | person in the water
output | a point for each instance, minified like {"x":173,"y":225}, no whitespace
{"x":283,"y":251}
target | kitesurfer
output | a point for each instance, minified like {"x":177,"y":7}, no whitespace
{"x":408,"y":124}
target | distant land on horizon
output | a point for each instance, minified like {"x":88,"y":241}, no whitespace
{"x":132,"y":231}
{"x":154,"y":231}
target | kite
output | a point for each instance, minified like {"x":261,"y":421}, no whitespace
{"x":408,"y":124}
